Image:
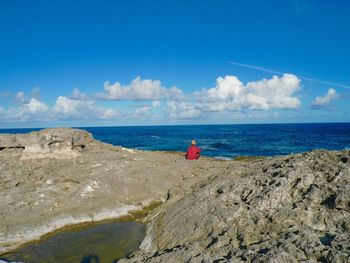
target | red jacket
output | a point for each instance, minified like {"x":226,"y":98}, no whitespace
{"x":193,"y":152}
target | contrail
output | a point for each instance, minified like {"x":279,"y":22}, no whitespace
{"x":281,"y":73}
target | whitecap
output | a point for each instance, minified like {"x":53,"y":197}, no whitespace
{"x":207,"y":147}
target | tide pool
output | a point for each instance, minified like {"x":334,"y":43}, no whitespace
{"x":95,"y":243}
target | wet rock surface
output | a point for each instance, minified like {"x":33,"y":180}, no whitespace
{"x":58,"y":177}
{"x":286,"y":209}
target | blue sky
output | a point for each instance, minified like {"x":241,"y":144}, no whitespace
{"x":91,"y":63}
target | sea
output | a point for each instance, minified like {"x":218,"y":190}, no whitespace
{"x":226,"y":141}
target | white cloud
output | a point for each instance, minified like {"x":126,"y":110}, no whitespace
{"x":141,"y":111}
{"x":63,"y":109}
{"x":182,"y":110}
{"x":78,"y":95}
{"x":20,"y":97}
{"x":139,"y":89}
{"x":74,"y":109}
{"x":229,"y":98}
{"x":34,"y":110}
{"x":35,"y":106}
{"x":230,"y":94}
{"x":324,"y":101}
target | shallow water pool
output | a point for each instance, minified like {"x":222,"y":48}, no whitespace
{"x":97,"y":243}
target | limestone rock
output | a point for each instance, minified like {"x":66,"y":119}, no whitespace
{"x":293,"y":208}
{"x":60,"y":143}
{"x":287,"y":209}
{"x":57,"y":177}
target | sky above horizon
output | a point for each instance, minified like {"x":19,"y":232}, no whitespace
{"x":97,"y":63}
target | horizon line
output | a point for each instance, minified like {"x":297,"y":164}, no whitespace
{"x":200,"y":124}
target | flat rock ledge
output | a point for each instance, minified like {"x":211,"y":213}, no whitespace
{"x":293,"y":208}
{"x":58,"y":177}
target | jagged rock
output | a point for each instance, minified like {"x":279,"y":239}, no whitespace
{"x":294,"y":208}
{"x":58,"y":177}
{"x":288,"y":209}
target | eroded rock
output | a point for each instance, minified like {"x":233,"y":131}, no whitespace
{"x":286,"y":209}
{"x":59,"y":143}
{"x":58,"y":177}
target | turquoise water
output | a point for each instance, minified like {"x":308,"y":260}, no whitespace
{"x":98,"y":243}
{"x":227,"y":140}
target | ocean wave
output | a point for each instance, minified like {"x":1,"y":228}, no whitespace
{"x":154,"y":136}
{"x":219,"y":146}
{"x":207,"y":147}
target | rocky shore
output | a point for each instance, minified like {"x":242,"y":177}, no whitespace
{"x":293,"y":208}
{"x":59,"y":177}
{"x":288,"y":209}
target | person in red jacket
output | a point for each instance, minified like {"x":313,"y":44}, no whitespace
{"x":193,"y":152}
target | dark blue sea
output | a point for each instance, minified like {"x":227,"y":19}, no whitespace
{"x":226,"y":141}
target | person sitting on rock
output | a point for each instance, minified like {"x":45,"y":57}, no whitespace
{"x":193,"y":152}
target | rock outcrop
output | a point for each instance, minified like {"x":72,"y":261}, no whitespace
{"x":59,"y":143}
{"x":294,"y":208}
{"x":58,"y":177}
{"x":287,"y":209}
